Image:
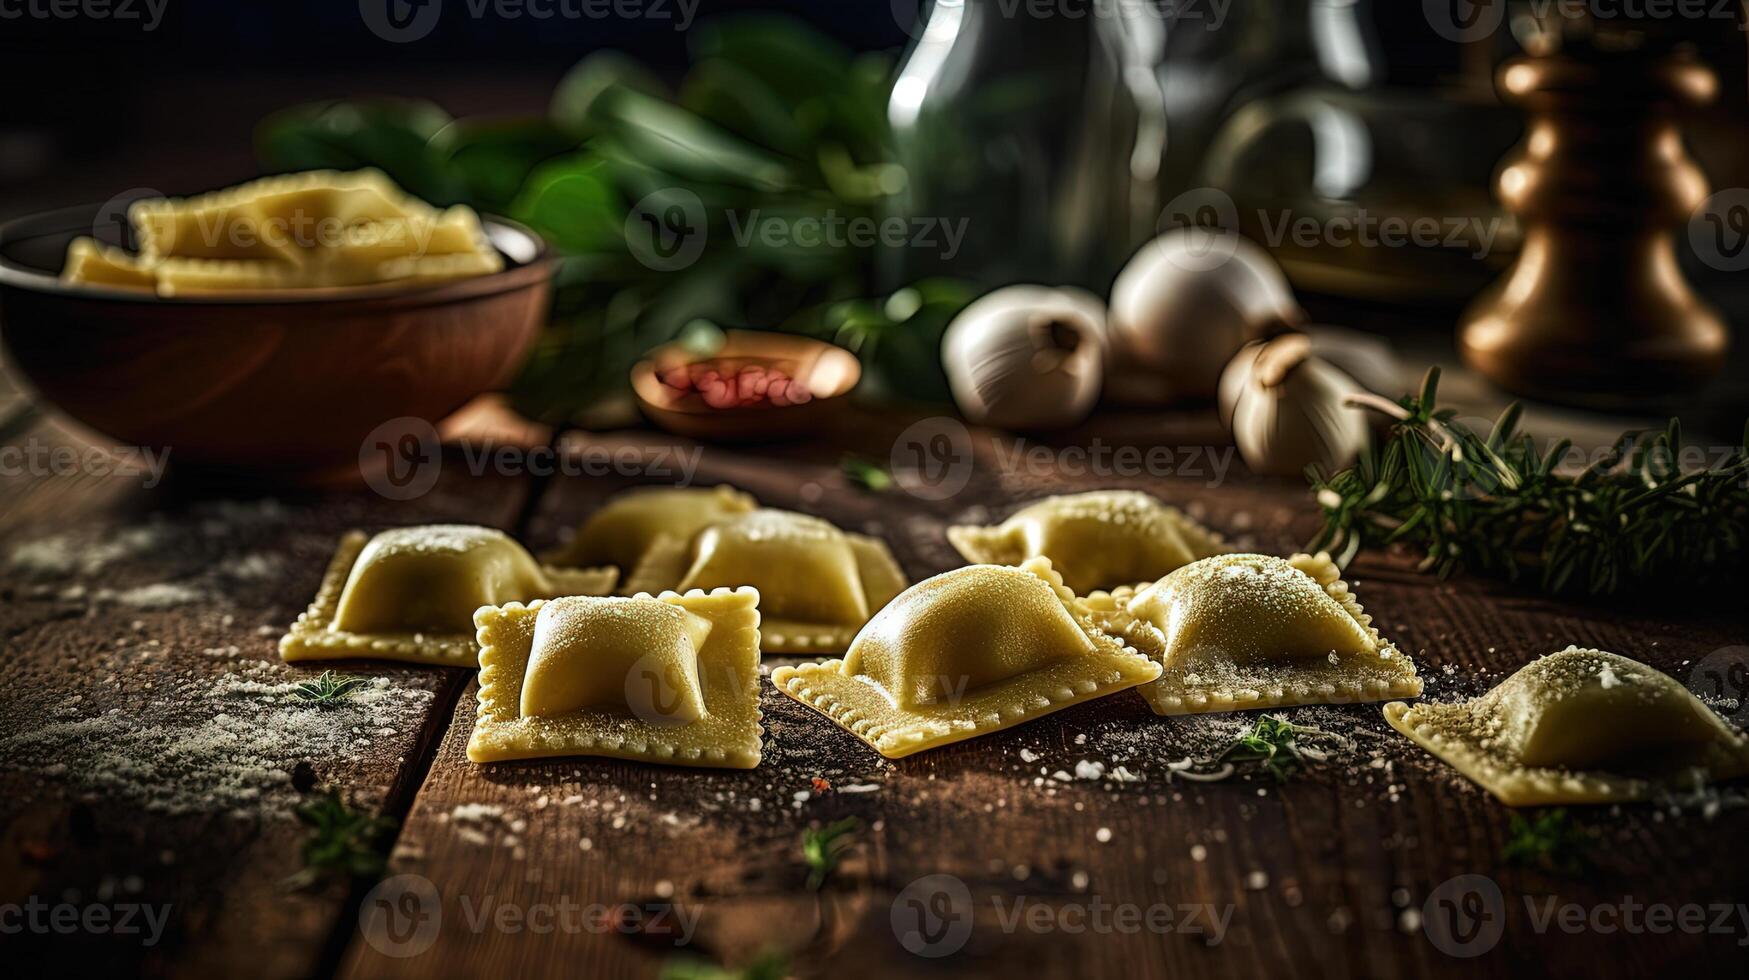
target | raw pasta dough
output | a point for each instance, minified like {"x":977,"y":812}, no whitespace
{"x":317,"y":229}
{"x":410,"y":594}
{"x":1578,"y":726}
{"x":670,"y":679}
{"x":621,"y":532}
{"x":963,"y":654}
{"x":1236,"y":632}
{"x":817,"y":585}
{"x":1098,"y":540}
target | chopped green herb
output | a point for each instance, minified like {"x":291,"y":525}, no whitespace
{"x":1493,"y":502}
{"x":823,"y":846}
{"x":343,"y":841}
{"x":328,"y":689}
{"x":867,"y":475}
{"x":1273,"y":745}
{"x":1550,"y":841}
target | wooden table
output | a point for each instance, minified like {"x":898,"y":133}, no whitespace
{"x":138,"y":620}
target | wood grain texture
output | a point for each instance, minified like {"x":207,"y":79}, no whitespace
{"x":1332,"y":873}
{"x":139,"y":620}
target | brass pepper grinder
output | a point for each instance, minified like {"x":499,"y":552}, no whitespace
{"x":1595,"y":310}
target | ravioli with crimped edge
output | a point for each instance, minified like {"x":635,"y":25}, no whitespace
{"x":817,"y":584}
{"x":1097,"y":540}
{"x":1579,"y":726}
{"x":669,"y":679}
{"x":622,"y":531}
{"x":964,"y":654}
{"x":410,"y":594}
{"x":1236,"y":632}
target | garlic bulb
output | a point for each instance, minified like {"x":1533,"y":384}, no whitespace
{"x":1285,"y":409}
{"x":1027,"y":357}
{"x":1182,"y":308}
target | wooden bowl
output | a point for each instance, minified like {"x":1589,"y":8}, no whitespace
{"x":283,"y":385}
{"x":829,"y":372}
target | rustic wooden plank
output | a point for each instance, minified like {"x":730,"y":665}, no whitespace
{"x":153,"y":753}
{"x":1331,"y":873}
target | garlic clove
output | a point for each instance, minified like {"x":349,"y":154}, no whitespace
{"x":1176,"y":315}
{"x":1027,"y":357}
{"x":1285,"y":409}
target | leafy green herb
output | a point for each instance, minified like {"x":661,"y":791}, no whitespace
{"x":658,"y":202}
{"x":1273,"y":745}
{"x":343,"y":841}
{"x":822,"y":847}
{"x":767,"y":966}
{"x":1550,"y":841}
{"x":1634,"y":519}
{"x":328,"y":689}
{"x":869,"y":476}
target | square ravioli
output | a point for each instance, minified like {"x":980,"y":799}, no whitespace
{"x":964,"y":654}
{"x":621,"y":532}
{"x":410,"y":594}
{"x":1098,"y":540}
{"x":1237,"y":632}
{"x":817,"y":584}
{"x":671,"y":679}
{"x":1578,"y":726}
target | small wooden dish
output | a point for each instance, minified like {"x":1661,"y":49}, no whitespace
{"x":829,"y":373}
{"x":262,"y":386}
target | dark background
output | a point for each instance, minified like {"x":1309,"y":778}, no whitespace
{"x":97,"y":106}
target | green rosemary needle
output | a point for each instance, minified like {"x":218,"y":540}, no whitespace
{"x":1635,"y":518}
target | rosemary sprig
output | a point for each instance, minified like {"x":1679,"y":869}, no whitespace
{"x":1273,"y":745}
{"x":343,"y":841}
{"x":1635,"y":518}
{"x":328,"y":689}
{"x":1550,"y":841}
{"x":823,"y":846}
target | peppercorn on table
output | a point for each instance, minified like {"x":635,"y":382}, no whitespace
{"x":176,"y":800}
